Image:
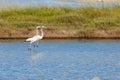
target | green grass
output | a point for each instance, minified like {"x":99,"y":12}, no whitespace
{"x":61,"y":17}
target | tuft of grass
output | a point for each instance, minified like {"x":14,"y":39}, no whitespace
{"x":62,"y":17}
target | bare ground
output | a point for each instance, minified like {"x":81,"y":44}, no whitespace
{"x":22,"y":33}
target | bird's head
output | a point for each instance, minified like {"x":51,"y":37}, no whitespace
{"x":39,"y":27}
{"x":43,"y":27}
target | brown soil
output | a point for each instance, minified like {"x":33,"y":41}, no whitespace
{"x":22,"y":33}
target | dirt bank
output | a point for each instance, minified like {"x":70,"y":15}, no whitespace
{"x":22,"y":33}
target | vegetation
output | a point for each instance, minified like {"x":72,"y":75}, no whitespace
{"x":61,"y":17}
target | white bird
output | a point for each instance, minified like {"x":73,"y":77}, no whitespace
{"x":37,"y":37}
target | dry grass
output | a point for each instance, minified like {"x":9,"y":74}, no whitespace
{"x":86,"y":22}
{"x":61,"y":17}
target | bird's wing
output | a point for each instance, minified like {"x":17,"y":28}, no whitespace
{"x":29,"y":39}
{"x":34,"y":38}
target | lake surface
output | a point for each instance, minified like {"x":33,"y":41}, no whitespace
{"x":60,"y":60}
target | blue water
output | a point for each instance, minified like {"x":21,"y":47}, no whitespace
{"x":73,"y":60}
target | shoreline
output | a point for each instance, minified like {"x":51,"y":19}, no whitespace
{"x":19,"y":40}
{"x":64,"y":38}
{"x":49,"y":33}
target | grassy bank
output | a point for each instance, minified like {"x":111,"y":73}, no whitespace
{"x":60,"y":17}
{"x":61,"y":22}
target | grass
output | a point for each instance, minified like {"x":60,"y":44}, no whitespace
{"x":61,"y":17}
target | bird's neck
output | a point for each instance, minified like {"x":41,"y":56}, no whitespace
{"x":42,"y":32}
{"x":36,"y":31}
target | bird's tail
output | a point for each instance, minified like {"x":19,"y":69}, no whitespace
{"x":26,"y":41}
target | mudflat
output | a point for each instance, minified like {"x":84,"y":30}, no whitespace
{"x":20,"y":33}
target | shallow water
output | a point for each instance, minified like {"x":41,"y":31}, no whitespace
{"x":62,"y":60}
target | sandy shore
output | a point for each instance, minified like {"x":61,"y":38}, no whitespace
{"x":22,"y":33}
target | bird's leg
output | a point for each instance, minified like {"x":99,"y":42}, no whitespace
{"x":30,"y":49}
{"x":36,"y":46}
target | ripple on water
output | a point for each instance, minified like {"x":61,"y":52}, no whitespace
{"x":61,"y":61}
